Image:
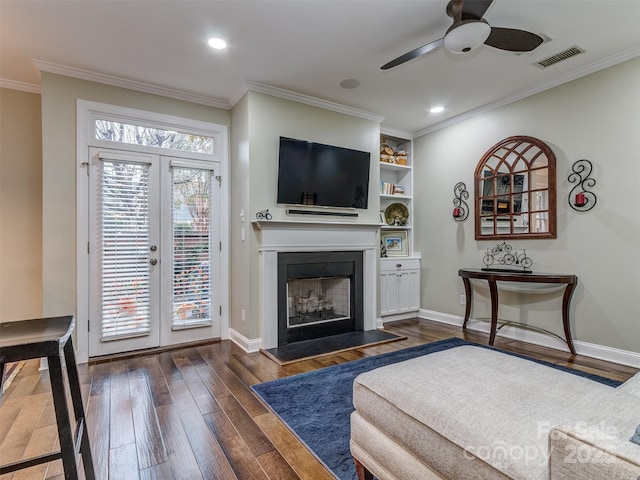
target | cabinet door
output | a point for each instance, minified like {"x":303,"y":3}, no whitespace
{"x":389,"y":292}
{"x":409,"y":291}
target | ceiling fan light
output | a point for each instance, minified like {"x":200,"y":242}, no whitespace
{"x":467,"y":36}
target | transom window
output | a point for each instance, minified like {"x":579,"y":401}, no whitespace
{"x":114,"y":131}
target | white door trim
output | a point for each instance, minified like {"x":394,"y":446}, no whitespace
{"x":85,"y":110}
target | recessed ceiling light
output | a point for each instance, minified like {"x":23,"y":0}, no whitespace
{"x":350,"y":83}
{"x":217,"y":43}
{"x":437,"y":110}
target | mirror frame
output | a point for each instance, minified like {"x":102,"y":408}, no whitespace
{"x":503,"y":151}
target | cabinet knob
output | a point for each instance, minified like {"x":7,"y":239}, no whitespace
{"x":398,"y":265}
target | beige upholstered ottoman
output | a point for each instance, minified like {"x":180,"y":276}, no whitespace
{"x":475,"y":413}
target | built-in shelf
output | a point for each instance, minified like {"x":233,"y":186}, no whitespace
{"x":405,"y":197}
{"x":395,"y":227}
{"x":394,"y":167}
{"x":400,"y":175}
{"x":399,"y":276}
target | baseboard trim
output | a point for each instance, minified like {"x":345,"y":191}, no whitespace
{"x":601,"y":352}
{"x":398,"y":316}
{"x":248,"y":345}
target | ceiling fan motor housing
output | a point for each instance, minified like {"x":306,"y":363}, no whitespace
{"x":466,"y":35}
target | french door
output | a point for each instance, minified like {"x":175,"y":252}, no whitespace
{"x":154,"y":250}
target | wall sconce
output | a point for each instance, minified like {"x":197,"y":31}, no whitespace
{"x":581,"y":199}
{"x":460,"y":208}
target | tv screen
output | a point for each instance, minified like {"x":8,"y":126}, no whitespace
{"x":315,"y":174}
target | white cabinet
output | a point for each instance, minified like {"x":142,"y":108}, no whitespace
{"x":399,"y":285}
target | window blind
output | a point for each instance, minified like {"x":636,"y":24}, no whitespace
{"x":191,"y":303}
{"x":124,"y":249}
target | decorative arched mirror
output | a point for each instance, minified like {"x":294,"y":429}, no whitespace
{"x":515,"y":190}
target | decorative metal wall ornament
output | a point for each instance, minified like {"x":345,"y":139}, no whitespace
{"x":581,"y":199}
{"x":502,"y":257}
{"x":263,"y":215}
{"x":460,"y":207}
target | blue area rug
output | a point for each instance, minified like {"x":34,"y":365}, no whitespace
{"x":316,"y":405}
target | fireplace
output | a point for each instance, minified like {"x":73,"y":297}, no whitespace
{"x":277,"y":237}
{"x":319,"y":294}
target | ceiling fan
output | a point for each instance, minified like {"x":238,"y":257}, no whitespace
{"x":469,"y":31}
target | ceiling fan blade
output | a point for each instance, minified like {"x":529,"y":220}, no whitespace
{"x":513,"y":40}
{"x":475,"y":8}
{"x":412,"y":54}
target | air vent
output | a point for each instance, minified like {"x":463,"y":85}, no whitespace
{"x":559,"y":57}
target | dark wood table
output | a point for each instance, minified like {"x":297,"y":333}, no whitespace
{"x":496,"y":275}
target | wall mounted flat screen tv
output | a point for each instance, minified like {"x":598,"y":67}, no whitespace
{"x":315,"y":174}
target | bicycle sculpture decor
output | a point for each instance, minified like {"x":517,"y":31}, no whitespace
{"x":502,"y":257}
{"x":263,"y":215}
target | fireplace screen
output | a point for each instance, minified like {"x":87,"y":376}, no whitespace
{"x":318,"y":300}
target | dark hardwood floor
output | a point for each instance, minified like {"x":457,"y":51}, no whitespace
{"x":189,"y":413}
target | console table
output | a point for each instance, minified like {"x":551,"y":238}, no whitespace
{"x":494,"y":276}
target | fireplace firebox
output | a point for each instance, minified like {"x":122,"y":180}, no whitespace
{"x":319,"y":294}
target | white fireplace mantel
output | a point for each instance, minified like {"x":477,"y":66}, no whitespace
{"x":277,"y":236}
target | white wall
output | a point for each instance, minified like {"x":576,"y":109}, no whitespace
{"x":269,"y":118}
{"x":20,"y":206}
{"x":596,"y":118}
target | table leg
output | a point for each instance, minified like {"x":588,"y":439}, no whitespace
{"x":493,"y":290}
{"x":78,"y":410}
{"x":65,"y":435}
{"x":362,"y":472}
{"x":468,"y":296}
{"x":566,"y":300}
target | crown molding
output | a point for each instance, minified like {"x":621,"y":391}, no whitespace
{"x":555,"y":82}
{"x":396,"y":133}
{"x":238,"y":95}
{"x":22,"y":86}
{"x":129,"y":84}
{"x":313,"y":101}
{"x":203,"y":99}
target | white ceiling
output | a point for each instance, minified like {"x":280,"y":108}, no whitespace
{"x":310,"y":46}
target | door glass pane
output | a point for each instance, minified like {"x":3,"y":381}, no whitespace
{"x":192,"y":289}
{"x":124,"y":247}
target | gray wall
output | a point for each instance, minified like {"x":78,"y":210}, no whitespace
{"x":240,"y":250}
{"x":59,"y":95}
{"x":20,"y":205}
{"x":596,"y":118}
{"x":262,"y":119}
